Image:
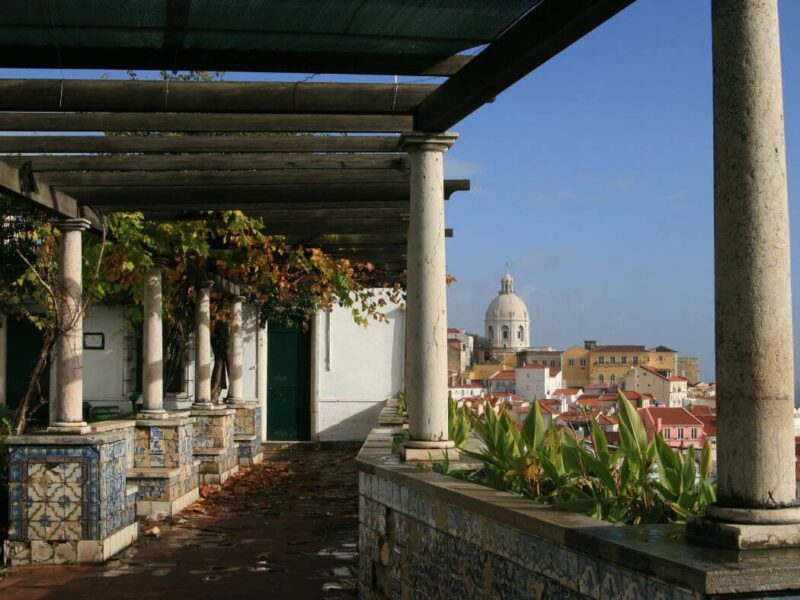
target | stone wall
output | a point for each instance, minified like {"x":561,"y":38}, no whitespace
{"x":424,"y":535}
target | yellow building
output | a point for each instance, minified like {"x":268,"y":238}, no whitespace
{"x":575,"y":366}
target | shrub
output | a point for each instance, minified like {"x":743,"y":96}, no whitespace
{"x":643,"y":481}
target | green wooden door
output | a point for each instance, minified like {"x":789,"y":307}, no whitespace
{"x":288,"y":384}
{"x":24,"y":344}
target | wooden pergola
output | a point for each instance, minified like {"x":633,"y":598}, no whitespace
{"x":320,"y":162}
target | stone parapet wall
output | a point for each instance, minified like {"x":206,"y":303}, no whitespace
{"x":425,"y":535}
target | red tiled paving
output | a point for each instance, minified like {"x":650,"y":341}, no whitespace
{"x":288,"y":528}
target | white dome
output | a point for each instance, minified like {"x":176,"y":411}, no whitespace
{"x":507,"y":307}
{"x":507,"y":319}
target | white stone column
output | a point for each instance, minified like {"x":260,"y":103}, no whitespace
{"x":316,"y":366}
{"x":755,"y":363}
{"x":235,"y":353}
{"x":202,"y":346}
{"x":68,"y":401}
{"x":261,"y":375}
{"x":153,"y":372}
{"x":426,"y":304}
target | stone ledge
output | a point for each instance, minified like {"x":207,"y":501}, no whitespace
{"x":55,"y":439}
{"x":166,"y":508}
{"x":209,"y":451}
{"x":660,"y":551}
{"x":212,"y":412}
{"x":153,"y":472}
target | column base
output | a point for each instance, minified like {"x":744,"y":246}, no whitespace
{"x":230,"y":400}
{"x":74,"y":428}
{"x":206,"y":406}
{"x":429,"y":451}
{"x":746,"y":529}
{"x":147,"y":415}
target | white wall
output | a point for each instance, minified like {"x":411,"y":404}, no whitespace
{"x":104,"y":370}
{"x":357,"y":368}
{"x":249,"y":341}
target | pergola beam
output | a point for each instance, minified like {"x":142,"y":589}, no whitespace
{"x":250,"y":60}
{"x":223,"y":122}
{"x":300,"y":178}
{"x":76,"y":95}
{"x":198,"y":143}
{"x":546,"y":30}
{"x":201,"y":162}
{"x":43,"y":196}
{"x":226,"y":197}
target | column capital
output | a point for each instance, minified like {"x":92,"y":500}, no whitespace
{"x":204,"y":284}
{"x":160,"y":262}
{"x":78,"y":224}
{"x":418,"y":141}
{"x":238,"y":298}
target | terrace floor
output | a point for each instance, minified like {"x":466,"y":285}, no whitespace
{"x":287,"y":528}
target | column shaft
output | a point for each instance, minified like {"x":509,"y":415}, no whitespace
{"x":202,"y":345}
{"x":153,"y":372}
{"x":235,"y":353}
{"x":68,"y":409}
{"x":426,"y":312}
{"x":755,"y":364}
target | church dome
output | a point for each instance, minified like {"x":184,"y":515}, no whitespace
{"x":507,"y":319}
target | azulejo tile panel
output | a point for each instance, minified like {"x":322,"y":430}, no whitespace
{"x":66,"y":493}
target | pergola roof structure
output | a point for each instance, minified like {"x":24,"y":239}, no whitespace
{"x":321,"y":162}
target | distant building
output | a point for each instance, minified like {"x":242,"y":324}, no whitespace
{"x":503,"y":381}
{"x":462,"y":345}
{"x":667,"y":389}
{"x":507,"y":322}
{"x":547,"y":356}
{"x":593,"y":364}
{"x":575,"y":365}
{"x":679,"y":427}
{"x":536,"y":381}
{"x":688,"y":369}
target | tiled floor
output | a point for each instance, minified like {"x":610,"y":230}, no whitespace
{"x":286,"y":528}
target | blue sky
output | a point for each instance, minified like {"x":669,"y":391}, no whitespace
{"x":592,"y":178}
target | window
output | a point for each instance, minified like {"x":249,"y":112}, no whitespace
{"x":612,"y":380}
{"x":571,"y":362}
{"x":660,"y":359}
{"x":601,"y":379}
{"x":667,"y":433}
{"x":583,"y":362}
{"x":636,"y":360}
{"x":520,"y":332}
{"x":491,"y":332}
{"x":694,"y":433}
{"x":601,"y":360}
{"x":613,"y":360}
{"x":624,"y":360}
{"x":680,"y":433}
{"x":505,"y":333}
{"x":552,"y":363}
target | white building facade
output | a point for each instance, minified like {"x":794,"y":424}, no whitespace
{"x":537,"y":382}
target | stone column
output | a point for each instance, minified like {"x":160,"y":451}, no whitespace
{"x":68,"y":409}
{"x":426,"y":340}
{"x":153,"y":372}
{"x":202,"y":346}
{"x":755,"y":363}
{"x":235,"y":353}
{"x":261,"y":375}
